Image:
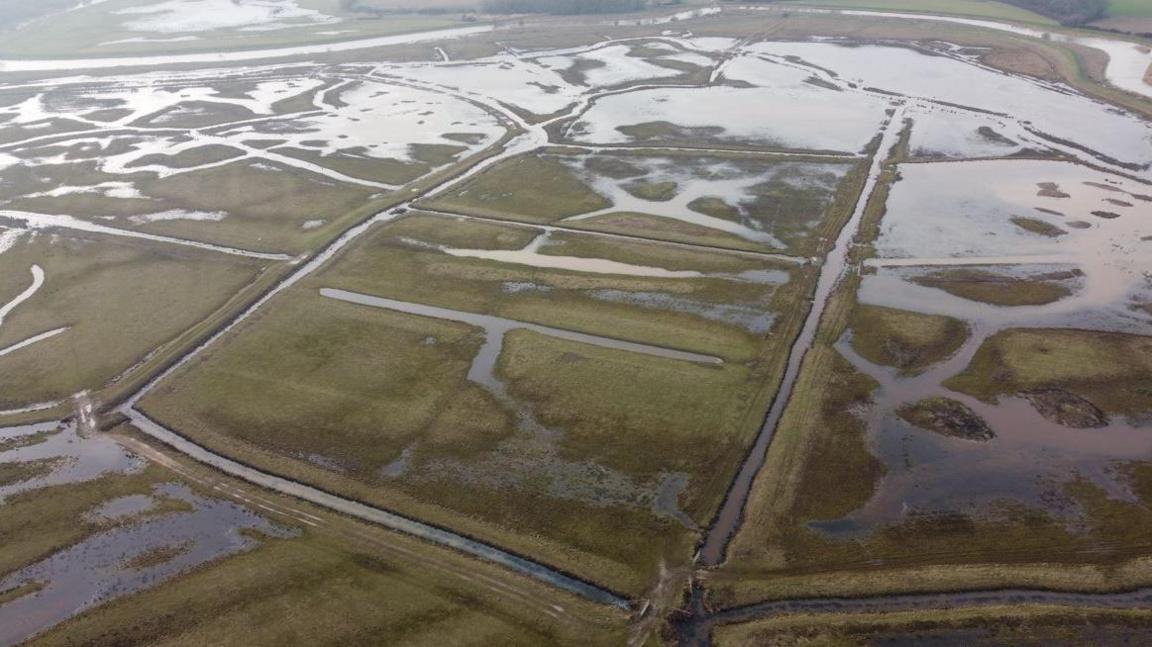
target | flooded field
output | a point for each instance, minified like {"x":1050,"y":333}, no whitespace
{"x":467,"y":327}
{"x":726,"y":202}
{"x":972,"y":399}
{"x":567,"y":321}
{"x":137,"y":532}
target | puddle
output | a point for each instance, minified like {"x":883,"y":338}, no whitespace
{"x":74,"y":459}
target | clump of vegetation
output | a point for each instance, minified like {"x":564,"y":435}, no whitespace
{"x":1050,"y":190}
{"x":947,"y":417}
{"x":715,"y":207}
{"x":1037,"y":226}
{"x":1066,"y":408}
{"x":654,"y":191}
{"x":1112,"y":371}
{"x":1000,"y":289}
{"x":910,"y":341}
{"x":991,"y":135}
{"x":157,"y":556}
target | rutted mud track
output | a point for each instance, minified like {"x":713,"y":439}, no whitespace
{"x":697,"y":629}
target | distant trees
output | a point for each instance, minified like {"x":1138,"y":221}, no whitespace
{"x":1068,"y":12}
{"x":563,"y":6}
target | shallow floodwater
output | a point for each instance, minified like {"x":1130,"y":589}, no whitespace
{"x":806,"y":118}
{"x":962,"y":213}
{"x":1027,"y":463}
{"x":740,"y":187}
{"x":129,"y":558}
{"x":1047,"y":109}
{"x":70,"y":457}
{"x":947,"y":216}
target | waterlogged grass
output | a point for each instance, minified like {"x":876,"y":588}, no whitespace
{"x":1000,"y":289}
{"x":377,"y":405}
{"x":531,"y":188}
{"x":910,"y":341}
{"x":641,"y":415}
{"x":318,"y":592}
{"x":347,"y":386}
{"x":821,"y":467}
{"x":388,"y":171}
{"x":263,"y":207}
{"x":402,"y":261}
{"x":1111,"y":370}
{"x":338,"y":583}
{"x":643,"y":225}
{"x":338,"y":586}
{"x":38,"y":523}
{"x":795,"y":202}
{"x":121,"y":299}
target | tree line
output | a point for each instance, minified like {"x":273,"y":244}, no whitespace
{"x":562,"y":6}
{"x":1068,"y":12}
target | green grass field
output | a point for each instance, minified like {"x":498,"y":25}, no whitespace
{"x":122,"y":299}
{"x":1137,"y":8}
{"x":970,"y":8}
{"x":1113,"y":371}
{"x":335,"y":394}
